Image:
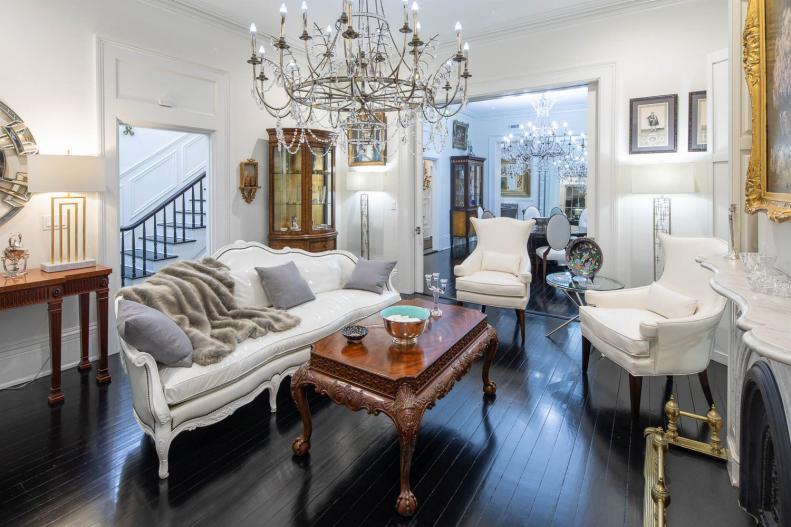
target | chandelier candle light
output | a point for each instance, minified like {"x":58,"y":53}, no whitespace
{"x":355,"y":70}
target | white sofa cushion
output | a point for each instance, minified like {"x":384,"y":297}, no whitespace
{"x":501,"y":262}
{"x":328,"y":313}
{"x":668,"y":303}
{"x":619,"y":328}
{"x":322,"y":275}
{"x":247,"y":289}
{"x":491,"y":283}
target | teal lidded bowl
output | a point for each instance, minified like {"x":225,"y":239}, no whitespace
{"x":405,"y":333}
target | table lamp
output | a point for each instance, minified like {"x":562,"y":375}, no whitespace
{"x":364,"y":182}
{"x":64,"y":174}
{"x":661,"y":181}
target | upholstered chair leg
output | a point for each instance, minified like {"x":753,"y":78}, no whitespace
{"x":273,"y":389}
{"x":545,"y":268}
{"x":704,"y":383}
{"x":163,"y":435}
{"x":586,"y":354}
{"x":483,"y":309}
{"x":520,"y":319}
{"x":459,"y":303}
{"x":635,"y":391}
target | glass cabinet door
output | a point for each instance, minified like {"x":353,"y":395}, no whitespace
{"x":287,"y":191}
{"x":321,"y":189}
{"x":458,"y":186}
{"x":475,"y":185}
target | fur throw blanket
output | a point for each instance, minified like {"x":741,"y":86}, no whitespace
{"x":198,"y":296}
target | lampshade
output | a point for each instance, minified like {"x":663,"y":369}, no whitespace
{"x":63,"y":173}
{"x":663,"y":179}
{"x":365,"y":181}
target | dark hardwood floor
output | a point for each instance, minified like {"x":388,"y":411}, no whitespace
{"x":553,"y":448}
{"x":544,"y":299}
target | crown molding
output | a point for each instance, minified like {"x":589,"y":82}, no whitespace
{"x":583,"y":13}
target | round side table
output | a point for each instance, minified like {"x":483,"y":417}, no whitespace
{"x":575,"y":287}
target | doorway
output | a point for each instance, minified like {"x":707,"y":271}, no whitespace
{"x":519,"y":187}
{"x":163,"y":199}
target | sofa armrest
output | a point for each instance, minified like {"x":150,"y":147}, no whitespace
{"x":683,"y":345}
{"x":470,"y":265}
{"x":635,"y":298}
{"x":148,"y":396}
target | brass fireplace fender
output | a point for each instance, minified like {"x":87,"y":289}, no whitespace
{"x":656,"y":497}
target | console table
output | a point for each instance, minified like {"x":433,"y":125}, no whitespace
{"x":38,"y":287}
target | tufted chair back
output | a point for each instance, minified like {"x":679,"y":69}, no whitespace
{"x":684,"y":275}
{"x":503,"y":235}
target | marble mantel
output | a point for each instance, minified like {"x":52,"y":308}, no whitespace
{"x":760,"y":331}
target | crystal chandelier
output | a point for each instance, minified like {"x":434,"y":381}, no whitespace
{"x":355,"y":72}
{"x":550,"y":145}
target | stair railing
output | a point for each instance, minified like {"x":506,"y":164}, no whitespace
{"x":160,"y":241}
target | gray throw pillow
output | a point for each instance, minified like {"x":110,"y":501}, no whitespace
{"x":284,"y":286}
{"x":153,"y":332}
{"x":370,"y":276}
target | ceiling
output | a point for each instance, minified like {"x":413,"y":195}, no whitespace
{"x":437,"y":16}
{"x":565,"y":99}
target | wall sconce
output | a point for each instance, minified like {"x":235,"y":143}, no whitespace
{"x":248,"y":179}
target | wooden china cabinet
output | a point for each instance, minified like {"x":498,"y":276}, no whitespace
{"x":302,"y":193}
{"x":466,"y":194}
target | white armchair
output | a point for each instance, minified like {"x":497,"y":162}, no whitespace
{"x":625,"y":329}
{"x":497,"y":273}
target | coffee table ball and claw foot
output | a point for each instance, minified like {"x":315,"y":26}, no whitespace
{"x":378,"y":376}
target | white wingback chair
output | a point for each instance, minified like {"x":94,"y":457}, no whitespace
{"x":622,"y":326}
{"x":497,"y":273}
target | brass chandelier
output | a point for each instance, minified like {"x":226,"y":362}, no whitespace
{"x":355,"y":72}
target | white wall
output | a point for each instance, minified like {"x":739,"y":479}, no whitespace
{"x":671,"y":60}
{"x":54,"y":88}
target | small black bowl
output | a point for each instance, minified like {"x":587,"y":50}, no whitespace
{"x":354,"y":334}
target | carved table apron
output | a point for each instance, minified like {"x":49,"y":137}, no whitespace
{"x":403,"y":400}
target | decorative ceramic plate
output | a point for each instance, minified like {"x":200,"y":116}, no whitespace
{"x":354,"y":333}
{"x":16,"y":143}
{"x":584,"y":258}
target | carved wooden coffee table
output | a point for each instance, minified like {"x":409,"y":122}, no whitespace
{"x":378,"y":376}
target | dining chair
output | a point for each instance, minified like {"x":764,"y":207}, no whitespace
{"x":558,"y":236}
{"x":530,"y":213}
{"x":556,"y":210}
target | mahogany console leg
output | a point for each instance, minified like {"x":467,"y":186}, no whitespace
{"x":301,"y":444}
{"x":489,"y":386}
{"x":103,"y":375}
{"x":408,"y":414}
{"x":85,"y":363}
{"x":55,"y":397}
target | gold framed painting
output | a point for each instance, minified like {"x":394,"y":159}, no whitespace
{"x":368,"y":141}
{"x":514,"y":180}
{"x":767,"y":65}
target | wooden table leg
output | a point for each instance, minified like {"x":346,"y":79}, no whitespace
{"x":85,"y":363}
{"x":103,"y":375}
{"x":299,"y":382}
{"x":55,"y":397}
{"x":489,"y":386}
{"x":408,"y":414}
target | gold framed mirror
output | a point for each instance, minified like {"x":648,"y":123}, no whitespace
{"x":767,"y":63}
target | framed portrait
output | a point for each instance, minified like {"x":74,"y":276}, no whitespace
{"x":514,"y":180}
{"x":653,"y":124}
{"x":461,"y":134}
{"x":698,"y":121}
{"x":366,"y":152}
{"x":767,"y":62}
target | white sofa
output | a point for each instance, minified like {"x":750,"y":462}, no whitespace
{"x":168,"y":401}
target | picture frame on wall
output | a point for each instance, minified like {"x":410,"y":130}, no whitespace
{"x":653,"y":124}
{"x":515,"y":182}
{"x":367,"y":153}
{"x":698,"y":122}
{"x":461,"y":135}
{"x":766,"y":66}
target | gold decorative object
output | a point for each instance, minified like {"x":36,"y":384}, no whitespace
{"x":15,"y":257}
{"x":757,"y":49}
{"x":657,"y":496}
{"x":248,"y":179}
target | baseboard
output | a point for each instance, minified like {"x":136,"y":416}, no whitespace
{"x":719,"y":356}
{"x":20,"y":361}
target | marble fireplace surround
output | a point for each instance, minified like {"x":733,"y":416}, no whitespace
{"x":760,"y":332}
